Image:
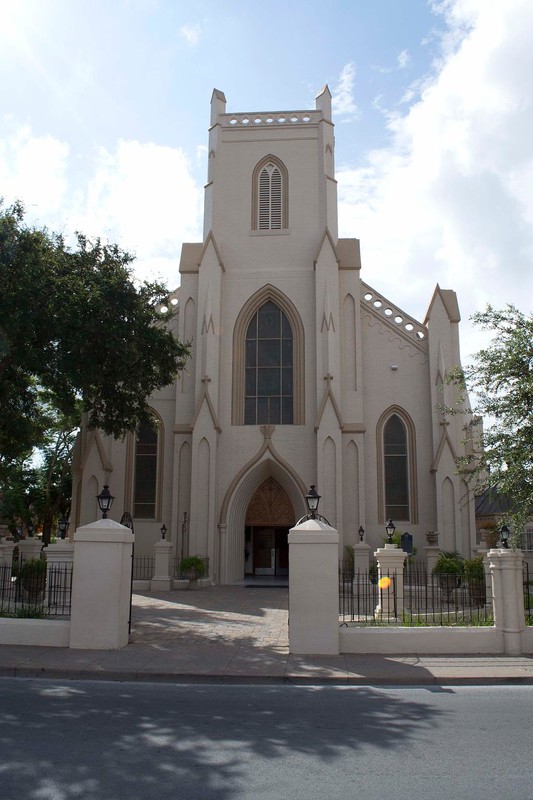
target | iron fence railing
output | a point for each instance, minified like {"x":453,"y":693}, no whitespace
{"x":426,"y":599}
{"x":143,"y":568}
{"x":178,"y":573}
{"x":34,"y":588}
{"x":528,"y":594}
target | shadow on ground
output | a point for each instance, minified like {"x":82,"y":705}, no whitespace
{"x":104,"y":741}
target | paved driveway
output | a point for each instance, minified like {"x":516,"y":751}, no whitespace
{"x":232,"y":615}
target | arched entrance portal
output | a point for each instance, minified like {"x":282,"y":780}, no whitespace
{"x":269,"y":518}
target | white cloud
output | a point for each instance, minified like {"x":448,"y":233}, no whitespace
{"x":32,"y":168}
{"x":191,"y":34}
{"x":403,"y":60}
{"x":451,"y":199}
{"x":343,"y":103}
{"x":141,"y":196}
{"x":144,"y":197}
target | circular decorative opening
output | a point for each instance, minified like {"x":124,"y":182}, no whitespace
{"x":258,"y":121}
{"x":368,"y":296}
{"x":269,"y":120}
{"x":281,"y":120}
{"x":421,"y":335}
{"x":294,"y":119}
{"x":409,"y":327}
{"x":245,"y":121}
{"x":377,"y":303}
{"x":398,"y":320}
{"x":233,"y":121}
{"x":388,"y":312}
{"x":306,"y":119}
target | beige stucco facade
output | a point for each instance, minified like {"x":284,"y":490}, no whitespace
{"x":357,"y":359}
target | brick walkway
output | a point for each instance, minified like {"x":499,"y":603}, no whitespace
{"x":243,"y":617}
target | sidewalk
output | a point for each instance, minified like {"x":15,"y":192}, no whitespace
{"x":236,"y":635}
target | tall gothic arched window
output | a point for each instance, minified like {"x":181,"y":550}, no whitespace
{"x":270,"y":195}
{"x":269,"y":368}
{"x":396,"y":469}
{"x":146,"y":471}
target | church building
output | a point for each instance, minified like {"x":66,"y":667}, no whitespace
{"x":301,"y":373}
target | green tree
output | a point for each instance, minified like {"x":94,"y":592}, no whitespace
{"x":78,"y":335}
{"x":501,"y":377}
{"x":38,"y":490}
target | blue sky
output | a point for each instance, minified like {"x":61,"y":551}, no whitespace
{"x":105,"y":110}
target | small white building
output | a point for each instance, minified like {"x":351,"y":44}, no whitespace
{"x":301,"y":373}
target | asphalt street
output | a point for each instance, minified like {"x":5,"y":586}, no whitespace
{"x":84,"y":740}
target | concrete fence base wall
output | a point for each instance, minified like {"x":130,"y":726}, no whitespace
{"x":40,"y":632}
{"x":527,"y":640}
{"x":391,"y":640}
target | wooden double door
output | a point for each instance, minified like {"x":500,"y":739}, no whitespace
{"x":269,"y":518}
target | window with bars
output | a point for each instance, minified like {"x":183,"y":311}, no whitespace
{"x":269,"y":368}
{"x":145,"y":484}
{"x":270,"y":195}
{"x":396,"y":469}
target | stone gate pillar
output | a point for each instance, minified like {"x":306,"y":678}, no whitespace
{"x":508,"y":597}
{"x":163,"y":572}
{"x":313,"y":588}
{"x":101,"y":586}
{"x":390,"y":564}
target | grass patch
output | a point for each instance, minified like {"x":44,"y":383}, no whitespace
{"x":26,"y":612}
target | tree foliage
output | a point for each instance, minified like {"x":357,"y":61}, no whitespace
{"x":501,"y":377}
{"x":77,"y":334}
{"x":39,"y":491}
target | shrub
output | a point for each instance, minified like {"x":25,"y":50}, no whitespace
{"x":449,"y":563}
{"x":473,"y":568}
{"x":193,"y":567}
{"x":32,"y":575}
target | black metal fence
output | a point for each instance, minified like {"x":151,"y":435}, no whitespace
{"x":528,"y":594}
{"x":143,"y":568}
{"x":426,"y":599}
{"x":35,"y":589}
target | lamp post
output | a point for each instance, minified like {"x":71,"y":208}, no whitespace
{"x":504,"y":535}
{"x":361,"y":533}
{"x":63,"y":525}
{"x":312,"y":498}
{"x":163,"y":531}
{"x":390,"y":528}
{"x":105,"y":500}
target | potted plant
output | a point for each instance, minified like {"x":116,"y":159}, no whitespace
{"x":32,"y":576}
{"x":474,"y":572}
{"x":449,"y":571}
{"x":193,"y":568}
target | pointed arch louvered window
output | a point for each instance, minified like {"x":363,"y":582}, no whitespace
{"x":270,"y":196}
{"x":270,"y":201}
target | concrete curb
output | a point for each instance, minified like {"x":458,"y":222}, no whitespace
{"x":122,"y":676}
